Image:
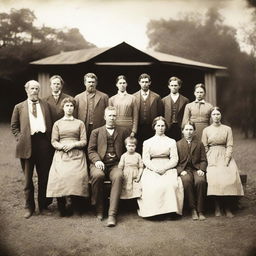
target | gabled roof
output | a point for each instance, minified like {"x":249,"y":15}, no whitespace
{"x":107,"y":53}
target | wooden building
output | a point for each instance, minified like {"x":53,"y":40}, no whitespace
{"x":108,"y":63}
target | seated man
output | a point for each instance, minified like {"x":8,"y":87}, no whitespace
{"x":105,"y":148}
{"x":191,"y":168}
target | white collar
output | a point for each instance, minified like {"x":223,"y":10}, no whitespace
{"x":68,"y":118}
{"x":122,"y":93}
{"x":175,"y":95}
{"x":56,"y":94}
{"x":200,"y":101}
{"x":31,"y":102}
{"x":143,"y":93}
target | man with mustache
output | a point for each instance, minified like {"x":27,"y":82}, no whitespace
{"x":31,"y":125}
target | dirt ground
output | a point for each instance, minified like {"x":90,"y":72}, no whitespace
{"x":50,"y":235}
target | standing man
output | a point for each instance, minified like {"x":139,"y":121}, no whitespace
{"x":31,"y":125}
{"x":105,"y":148}
{"x":91,"y":104}
{"x":150,"y":106}
{"x":174,"y":106}
{"x":54,"y":100}
{"x":192,"y":168}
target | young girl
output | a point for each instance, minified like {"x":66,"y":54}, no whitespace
{"x":132,"y":166}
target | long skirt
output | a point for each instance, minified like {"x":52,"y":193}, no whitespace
{"x":222,"y":180}
{"x":160,"y":193}
{"x":68,"y":174}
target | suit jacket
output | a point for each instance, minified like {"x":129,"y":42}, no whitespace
{"x":156,"y":105}
{"x":97,"y":147}
{"x":198,"y":155}
{"x":55,"y":107}
{"x":100,"y":103}
{"x":167,"y":102}
{"x":20,"y":127}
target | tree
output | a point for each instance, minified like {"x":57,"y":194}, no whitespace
{"x":208,"y":39}
{"x":251,"y":3}
{"x":22,"y":42}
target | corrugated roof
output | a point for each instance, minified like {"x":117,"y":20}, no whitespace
{"x":84,"y":55}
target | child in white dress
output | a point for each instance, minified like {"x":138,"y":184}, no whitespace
{"x":132,"y":166}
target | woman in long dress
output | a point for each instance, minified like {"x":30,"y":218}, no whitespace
{"x":162,"y":190}
{"x":125,"y":103}
{"x":222,"y":172}
{"x":68,"y":174}
{"x":198,"y":111}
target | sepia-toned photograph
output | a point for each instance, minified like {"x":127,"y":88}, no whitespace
{"x":128,"y":128}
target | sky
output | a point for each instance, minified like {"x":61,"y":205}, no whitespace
{"x":110,"y":22}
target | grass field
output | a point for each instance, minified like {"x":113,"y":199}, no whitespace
{"x":50,"y":235}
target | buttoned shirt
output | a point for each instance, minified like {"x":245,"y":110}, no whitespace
{"x":175,"y":97}
{"x":110,"y":130}
{"x":37,"y":124}
{"x":144,"y":94}
{"x":56,"y":95}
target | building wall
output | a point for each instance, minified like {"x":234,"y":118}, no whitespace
{"x":160,"y":73}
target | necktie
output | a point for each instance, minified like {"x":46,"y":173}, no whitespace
{"x":34,"y":111}
{"x":56,"y":97}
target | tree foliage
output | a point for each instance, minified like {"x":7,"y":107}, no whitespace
{"x":22,"y":42}
{"x":208,"y":39}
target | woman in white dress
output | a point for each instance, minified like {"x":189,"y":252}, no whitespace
{"x":162,"y":190}
{"x":222,"y":172}
{"x":68,"y":174}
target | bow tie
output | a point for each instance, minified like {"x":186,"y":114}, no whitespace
{"x":35,"y":101}
{"x":110,"y":128}
{"x":200,"y":101}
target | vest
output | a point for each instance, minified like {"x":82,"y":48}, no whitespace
{"x":175,"y":107}
{"x":110,"y":156}
{"x":144,"y":111}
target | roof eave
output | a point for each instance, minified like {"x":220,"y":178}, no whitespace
{"x":194,"y":66}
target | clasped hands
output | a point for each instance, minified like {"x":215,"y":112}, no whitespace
{"x":67,"y":147}
{"x":158,"y":171}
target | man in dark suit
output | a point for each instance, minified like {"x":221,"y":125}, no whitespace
{"x":150,"y":106}
{"x":54,"y":100}
{"x":31,"y":125}
{"x":91,"y":104}
{"x":192,"y":168}
{"x":105,"y":148}
{"x":174,"y":106}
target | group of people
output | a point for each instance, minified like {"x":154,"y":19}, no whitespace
{"x":164,"y":152}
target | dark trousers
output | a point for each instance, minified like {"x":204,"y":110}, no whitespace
{"x":174,"y":131}
{"x":41,"y":158}
{"x":145,"y":132}
{"x":97,"y":182}
{"x":195,"y":187}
